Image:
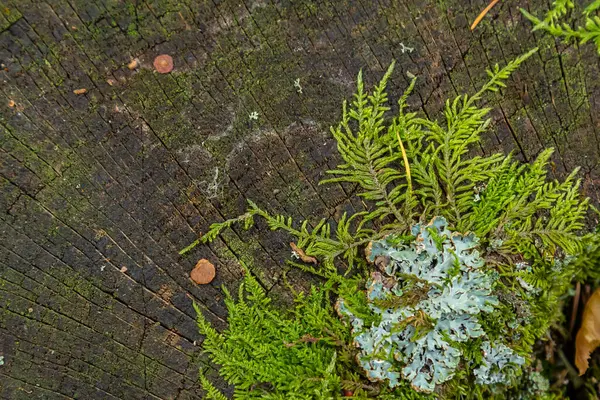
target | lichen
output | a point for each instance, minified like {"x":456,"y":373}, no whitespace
{"x":498,"y":363}
{"x":428,"y":295}
{"x":534,"y":386}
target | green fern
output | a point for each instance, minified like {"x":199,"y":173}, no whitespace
{"x":531,"y":216}
{"x":416,"y":168}
{"x":212,"y":393}
{"x":268,"y":354}
{"x":366,"y":150}
{"x":408,"y":169}
{"x":589,"y":32}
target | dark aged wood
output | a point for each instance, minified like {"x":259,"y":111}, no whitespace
{"x":100,"y":190}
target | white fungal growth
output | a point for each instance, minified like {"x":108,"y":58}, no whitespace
{"x":404,"y":48}
{"x":212,"y":189}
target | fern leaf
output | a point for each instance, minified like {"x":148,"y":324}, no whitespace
{"x":590,"y":31}
{"x":369,"y":161}
{"x":212,"y":393}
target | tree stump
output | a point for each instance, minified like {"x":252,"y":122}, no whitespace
{"x":100,"y":188}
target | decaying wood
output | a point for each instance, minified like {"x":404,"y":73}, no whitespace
{"x":100,"y":191}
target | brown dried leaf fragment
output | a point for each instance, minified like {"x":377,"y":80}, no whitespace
{"x":163,"y":63}
{"x":80,"y":91}
{"x":203,"y":272}
{"x":588,"y":337}
{"x":11,"y":103}
{"x":368,"y":251}
{"x":305,"y":258}
{"x":382,"y":262}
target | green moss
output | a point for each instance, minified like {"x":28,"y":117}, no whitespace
{"x":8,"y":16}
{"x":132,"y":31}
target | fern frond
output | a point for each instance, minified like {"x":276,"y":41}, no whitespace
{"x":212,"y":393}
{"x":559,"y":9}
{"x":217,"y":227}
{"x":590,"y":31}
{"x":591,"y":8}
{"x":494,"y":199}
{"x":587,"y":262}
{"x":367,"y":151}
{"x":446,"y":178}
{"x":295,"y":354}
{"x":206,"y":329}
{"x":534,"y":233}
{"x":498,"y":75}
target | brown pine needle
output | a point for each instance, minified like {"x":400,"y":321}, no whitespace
{"x":485,"y":11}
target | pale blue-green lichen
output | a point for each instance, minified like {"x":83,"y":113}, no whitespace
{"x":534,"y":385}
{"x":427,"y":295}
{"x":499,"y":362}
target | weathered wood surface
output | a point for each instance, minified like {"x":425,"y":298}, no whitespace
{"x":100,"y":190}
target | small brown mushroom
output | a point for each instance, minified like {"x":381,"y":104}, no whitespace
{"x":203,"y":272}
{"x":133,"y":64}
{"x":163,"y":63}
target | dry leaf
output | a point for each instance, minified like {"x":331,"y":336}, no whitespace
{"x":302,"y":254}
{"x":123,"y":269}
{"x":368,"y":251}
{"x":203,"y":272}
{"x":11,"y":103}
{"x":80,"y":91}
{"x":381,"y":262}
{"x":588,"y":337}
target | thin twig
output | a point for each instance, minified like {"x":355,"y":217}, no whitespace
{"x":573,"y":375}
{"x":576,"y":299}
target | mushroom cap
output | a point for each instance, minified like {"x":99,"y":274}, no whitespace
{"x":133,"y":64}
{"x":203,"y":272}
{"x":163,"y":63}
